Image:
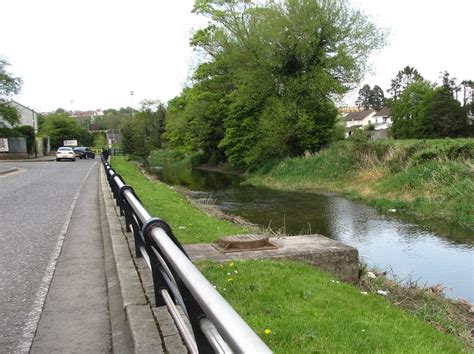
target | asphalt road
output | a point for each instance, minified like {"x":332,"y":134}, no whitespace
{"x":37,"y":205}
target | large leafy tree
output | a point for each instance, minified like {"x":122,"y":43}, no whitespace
{"x":424,"y":110}
{"x":144,"y":132}
{"x":409,"y":110}
{"x":61,"y":126}
{"x":404,"y":77}
{"x":269,"y":75}
{"x":9,"y":85}
{"x":151,"y":119}
{"x":370,"y":98}
{"x":377,"y":98}
{"x":363,"y":100}
{"x":444,"y":116}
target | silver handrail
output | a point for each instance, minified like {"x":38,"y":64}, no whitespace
{"x":215,"y":340}
{"x":233,"y":329}
{"x":182,"y":328}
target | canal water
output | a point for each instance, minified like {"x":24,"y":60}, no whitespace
{"x":388,"y":242}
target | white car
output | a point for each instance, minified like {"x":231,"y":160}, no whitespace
{"x":65,"y":152}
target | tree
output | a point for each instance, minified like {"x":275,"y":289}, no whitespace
{"x":9,"y":85}
{"x":404,"y":78}
{"x":151,"y":119}
{"x":408,"y":111}
{"x":60,"y":127}
{"x":370,"y":98}
{"x":449,"y":84}
{"x":133,"y":138}
{"x":365,"y":94}
{"x":444,"y":116}
{"x":426,"y":111}
{"x":268,"y":77}
{"x":468,"y":92}
{"x":377,"y":98}
{"x":115,"y":117}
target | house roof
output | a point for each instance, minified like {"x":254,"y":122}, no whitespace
{"x":358,"y":115}
{"x":22,"y":105}
{"x":383,"y":112}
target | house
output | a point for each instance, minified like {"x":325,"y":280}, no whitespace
{"x":86,"y":118}
{"x":380,"y":120}
{"x":27,"y":116}
{"x":383,"y":119}
{"x":357,"y":120}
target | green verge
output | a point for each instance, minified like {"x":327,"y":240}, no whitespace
{"x":430,"y":179}
{"x":297,"y":309}
{"x":189,"y":224}
{"x":302,"y":309}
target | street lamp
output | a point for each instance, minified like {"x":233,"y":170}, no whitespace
{"x":131,"y":95}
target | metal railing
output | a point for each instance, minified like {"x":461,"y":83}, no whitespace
{"x":216,"y":326}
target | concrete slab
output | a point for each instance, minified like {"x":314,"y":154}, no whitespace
{"x":324,"y":253}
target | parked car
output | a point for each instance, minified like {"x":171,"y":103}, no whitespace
{"x":83,"y":152}
{"x":65,"y":152}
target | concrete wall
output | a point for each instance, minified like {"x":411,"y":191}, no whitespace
{"x":16,"y":149}
{"x":17,"y":145}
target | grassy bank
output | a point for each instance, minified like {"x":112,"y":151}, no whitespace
{"x":297,"y":309}
{"x":189,"y":224}
{"x":432,"y":179}
{"x":293,"y":307}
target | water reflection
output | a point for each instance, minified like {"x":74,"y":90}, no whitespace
{"x":385,"y":241}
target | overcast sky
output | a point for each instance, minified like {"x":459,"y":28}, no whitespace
{"x":89,"y":54}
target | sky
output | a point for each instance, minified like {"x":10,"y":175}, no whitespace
{"x":90,"y":54}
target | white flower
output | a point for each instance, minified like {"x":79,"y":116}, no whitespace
{"x":181,"y":227}
{"x":363,"y":292}
{"x":382,"y":292}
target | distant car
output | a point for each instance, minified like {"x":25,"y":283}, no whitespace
{"x":83,"y":152}
{"x":65,"y":153}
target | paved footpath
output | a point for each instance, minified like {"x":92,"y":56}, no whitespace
{"x":75,"y":316}
{"x":98,"y":300}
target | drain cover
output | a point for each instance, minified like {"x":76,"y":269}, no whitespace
{"x":241,"y":243}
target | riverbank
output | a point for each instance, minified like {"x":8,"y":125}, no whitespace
{"x":431,"y":180}
{"x":308,"y":329}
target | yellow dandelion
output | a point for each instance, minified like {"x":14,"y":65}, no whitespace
{"x":231,"y":264}
{"x":267,"y":331}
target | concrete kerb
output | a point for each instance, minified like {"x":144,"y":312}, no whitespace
{"x":137,"y":326}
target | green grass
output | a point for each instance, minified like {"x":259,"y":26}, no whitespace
{"x":189,"y":224}
{"x":307,"y":311}
{"x":432,"y":180}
